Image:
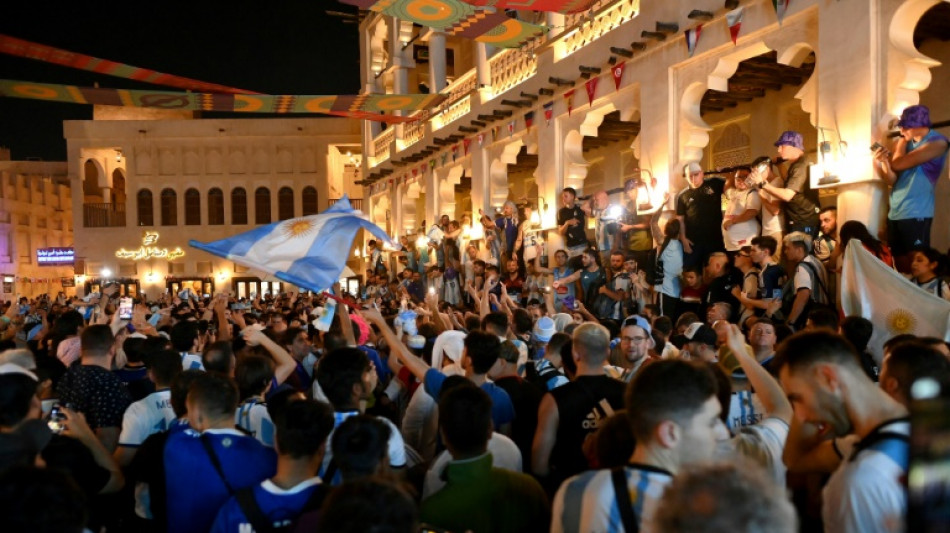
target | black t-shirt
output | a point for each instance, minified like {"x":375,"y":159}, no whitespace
{"x":580,"y":414}
{"x":701,"y":208}
{"x":95,"y":392}
{"x":526,"y":398}
{"x":577,"y":234}
{"x":720,"y":290}
{"x":803,"y":208}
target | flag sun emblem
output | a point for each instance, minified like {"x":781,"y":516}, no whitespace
{"x":297,"y":228}
{"x":901,"y":321}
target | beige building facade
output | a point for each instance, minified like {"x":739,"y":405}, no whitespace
{"x":838,"y":72}
{"x":142,"y":188}
{"x":35,"y":214}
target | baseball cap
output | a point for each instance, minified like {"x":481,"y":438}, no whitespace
{"x":791,"y":138}
{"x":915,"y":116}
{"x":699,"y":332}
{"x":637,"y":320}
{"x":544,"y":329}
{"x":11,"y":368}
{"x":22,"y":445}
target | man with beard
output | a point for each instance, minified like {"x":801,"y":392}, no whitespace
{"x":822,"y":375}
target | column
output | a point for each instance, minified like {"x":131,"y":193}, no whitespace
{"x":436,"y":62}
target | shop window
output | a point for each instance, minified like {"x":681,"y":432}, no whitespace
{"x":145,"y":209}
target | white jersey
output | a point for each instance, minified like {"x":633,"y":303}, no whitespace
{"x":252,"y":416}
{"x":865,"y":493}
{"x":587,"y":502}
{"x":763,"y":443}
{"x":505,"y":454}
{"x":150,"y":415}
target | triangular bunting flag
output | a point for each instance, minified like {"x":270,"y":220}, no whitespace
{"x":548,"y":113}
{"x":617,"y":73}
{"x":511,"y":128}
{"x":692,"y":37}
{"x":494,"y":134}
{"x":414,"y":172}
{"x":591,"y":86}
{"x":466,"y":142}
{"x":455,"y":151}
{"x":734,"y":20}
{"x":445,"y":156}
{"x":569,"y":100}
{"x":781,"y":6}
{"x":528,"y":119}
{"x":481,"y":139}
{"x":432,"y":163}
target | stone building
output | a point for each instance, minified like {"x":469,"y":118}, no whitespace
{"x":838,"y":72}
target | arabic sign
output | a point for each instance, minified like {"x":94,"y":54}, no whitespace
{"x":55,"y":256}
{"x":148,"y":251}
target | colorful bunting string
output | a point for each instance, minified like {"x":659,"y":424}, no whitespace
{"x":734,"y":21}
{"x":692,"y":39}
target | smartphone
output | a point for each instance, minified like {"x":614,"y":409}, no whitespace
{"x":876,"y":146}
{"x":56,"y":419}
{"x":125,"y":308}
{"x":928,"y":475}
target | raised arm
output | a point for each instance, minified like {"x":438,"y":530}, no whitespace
{"x":284,"y":363}
{"x":765,"y":386}
{"x":414,"y":363}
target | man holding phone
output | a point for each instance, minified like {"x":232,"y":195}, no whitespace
{"x":911,"y":168}
{"x":801,"y":201}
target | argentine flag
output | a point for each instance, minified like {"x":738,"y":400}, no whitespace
{"x":309,"y":252}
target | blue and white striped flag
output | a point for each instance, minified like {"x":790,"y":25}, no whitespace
{"x":309,"y":252}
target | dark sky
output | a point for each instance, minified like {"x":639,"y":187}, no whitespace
{"x":271,"y":47}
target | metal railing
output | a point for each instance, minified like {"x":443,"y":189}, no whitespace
{"x":103,"y":215}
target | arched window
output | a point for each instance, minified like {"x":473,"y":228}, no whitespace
{"x":285,"y":203}
{"x":238,"y":206}
{"x":262,"y":205}
{"x":215,"y":207}
{"x":169,"y":207}
{"x":309,"y":201}
{"x":192,"y":207}
{"x":145,"y":208}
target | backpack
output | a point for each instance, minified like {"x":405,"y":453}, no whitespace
{"x":788,"y":297}
{"x":654,"y":267}
{"x":305,"y":521}
{"x":597,"y":304}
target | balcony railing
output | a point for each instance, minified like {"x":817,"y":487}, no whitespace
{"x":382,"y":143}
{"x":355,"y":203}
{"x":103,"y":215}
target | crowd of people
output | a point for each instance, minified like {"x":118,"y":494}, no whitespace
{"x":702,"y":381}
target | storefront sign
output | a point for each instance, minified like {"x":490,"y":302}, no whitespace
{"x":148,"y":251}
{"x":55,"y":256}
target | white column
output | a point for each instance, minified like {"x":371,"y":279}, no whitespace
{"x":436,"y":62}
{"x":482,"y":68}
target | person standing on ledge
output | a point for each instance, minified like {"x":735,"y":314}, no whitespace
{"x":911,"y":168}
{"x":801,"y":201}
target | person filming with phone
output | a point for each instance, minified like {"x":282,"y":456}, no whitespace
{"x":911,"y":167}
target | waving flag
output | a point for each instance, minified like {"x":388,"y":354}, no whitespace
{"x":875,"y":291}
{"x":309,"y":252}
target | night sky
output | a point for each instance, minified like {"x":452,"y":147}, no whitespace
{"x":269,"y":47}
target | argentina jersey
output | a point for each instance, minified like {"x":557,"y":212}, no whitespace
{"x":191,"y":361}
{"x":587,"y":502}
{"x":152,"y":414}
{"x":252,"y":416}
